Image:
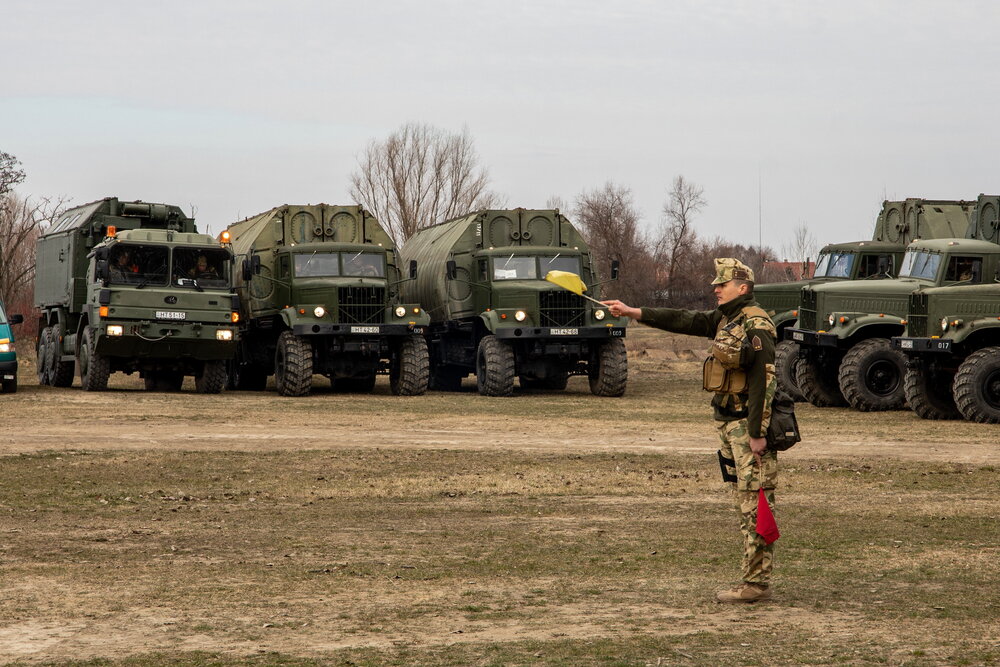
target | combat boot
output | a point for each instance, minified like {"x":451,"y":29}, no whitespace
{"x":745,"y":592}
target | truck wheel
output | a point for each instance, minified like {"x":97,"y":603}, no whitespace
{"x":871,"y":376}
{"x":786,"y":359}
{"x":410,"y":371}
{"x":212,"y":379}
{"x":928,"y":392}
{"x":977,"y":386}
{"x":494,"y":367}
{"x":94,"y":367}
{"x":293,"y":366}
{"x":60,"y":372}
{"x":818,"y":383}
{"x":608,"y":368}
{"x":42,"y":356}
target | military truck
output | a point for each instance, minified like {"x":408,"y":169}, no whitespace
{"x":8,"y":352}
{"x":952,"y":348}
{"x":898,"y":223}
{"x":493,"y":313}
{"x":120,"y":290}
{"x":844,"y":329}
{"x":319,"y":288}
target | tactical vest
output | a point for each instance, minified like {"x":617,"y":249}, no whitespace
{"x":724,"y":369}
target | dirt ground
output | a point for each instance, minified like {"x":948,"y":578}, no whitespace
{"x":128,"y":419}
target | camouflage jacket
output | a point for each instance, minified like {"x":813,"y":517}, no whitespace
{"x":757,"y":361}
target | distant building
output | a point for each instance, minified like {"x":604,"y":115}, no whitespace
{"x":778,"y":271}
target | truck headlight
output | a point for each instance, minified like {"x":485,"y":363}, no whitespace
{"x":400,"y":311}
{"x":319,"y":311}
{"x":520,"y":315}
{"x":944,"y":324}
{"x":223,"y":334}
{"x":115,"y":330}
{"x":599,"y":314}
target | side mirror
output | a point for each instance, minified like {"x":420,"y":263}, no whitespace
{"x":452,"y":269}
{"x":413,"y":269}
{"x":16,"y":319}
{"x":102,"y":270}
{"x":615,"y":266}
{"x":247,"y":271}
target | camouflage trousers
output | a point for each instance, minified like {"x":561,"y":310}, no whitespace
{"x":745,"y":477}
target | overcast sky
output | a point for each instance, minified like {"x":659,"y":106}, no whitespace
{"x":785,"y":112}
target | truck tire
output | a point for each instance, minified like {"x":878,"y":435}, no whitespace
{"x":42,"y":356}
{"x":212,"y":379}
{"x":60,"y":372}
{"x":494,"y":367}
{"x":608,"y":368}
{"x":293,"y":367}
{"x":94,"y":367}
{"x":786,"y":359}
{"x":977,"y":386}
{"x":818,"y":383}
{"x":928,"y":392}
{"x":871,"y":376}
{"x":410,"y":372}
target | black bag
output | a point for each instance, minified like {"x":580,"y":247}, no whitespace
{"x":783,"y":431}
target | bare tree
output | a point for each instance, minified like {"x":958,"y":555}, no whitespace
{"x":421,"y":175}
{"x":11,"y":175}
{"x":555,"y":201}
{"x":802,"y":247}
{"x":21,"y":221}
{"x":609,"y":221}
{"x":678,"y":240}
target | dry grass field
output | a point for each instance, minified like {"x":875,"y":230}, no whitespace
{"x":550,"y":528}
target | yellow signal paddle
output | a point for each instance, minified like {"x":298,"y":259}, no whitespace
{"x":570,"y":281}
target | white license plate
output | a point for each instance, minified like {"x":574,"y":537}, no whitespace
{"x":373,"y":330}
{"x":798,"y":336}
{"x":906,"y":344}
{"x":171,"y":315}
{"x":8,"y":377}
{"x":564,"y":332}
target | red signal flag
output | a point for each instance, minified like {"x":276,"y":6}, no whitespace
{"x":767,"y":527}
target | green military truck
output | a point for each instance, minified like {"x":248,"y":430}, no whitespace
{"x":119,"y":287}
{"x":898,"y":223}
{"x":319,"y":288}
{"x":493,"y":313}
{"x":844,"y":328}
{"x":952,"y":347}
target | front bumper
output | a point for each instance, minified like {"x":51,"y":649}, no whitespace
{"x":8,"y":369}
{"x":166,"y":340}
{"x":559,"y":333}
{"x":324,"y":329}
{"x":911,"y":345}
{"x":813,"y":338}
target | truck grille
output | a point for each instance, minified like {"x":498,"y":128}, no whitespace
{"x":916,"y":320}
{"x":361,"y":305}
{"x":560,"y":309}
{"x":807,"y":311}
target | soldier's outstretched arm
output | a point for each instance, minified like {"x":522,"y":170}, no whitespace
{"x":619,"y":309}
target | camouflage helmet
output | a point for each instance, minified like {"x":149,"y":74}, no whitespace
{"x":730,"y":268}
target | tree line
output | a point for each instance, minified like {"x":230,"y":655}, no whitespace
{"x":421,"y":175}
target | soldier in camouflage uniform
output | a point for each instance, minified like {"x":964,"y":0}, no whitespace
{"x":740,"y":372}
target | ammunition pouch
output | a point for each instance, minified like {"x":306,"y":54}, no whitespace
{"x":722,"y":380}
{"x":729,"y":344}
{"x":725,"y":465}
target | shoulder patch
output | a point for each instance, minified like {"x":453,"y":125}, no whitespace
{"x":757,"y":345}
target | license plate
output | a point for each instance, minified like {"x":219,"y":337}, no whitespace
{"x":373,"y":330}
{"x":564,"y":332}
{"x":798,"y":336}
{"x":906,"y":344}
{"x":8,"y":377}
{"x":171,"y":315}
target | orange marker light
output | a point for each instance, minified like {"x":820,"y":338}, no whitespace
{"x":236,"y":317}
{"x":225,"y":236}
{"x":112,"y":231}
{"x":104,"y":311}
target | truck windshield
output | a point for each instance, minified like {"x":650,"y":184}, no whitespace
{"x":137,"y":265}
{"x":515,"y":267}
{"x":558,"y":263}
{"x":920,"y":264}
{"x":834,"y":265}
{"x":323,"y":264}
{"x":208,"y":266}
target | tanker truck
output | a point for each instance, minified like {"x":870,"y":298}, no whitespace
{"x":133,"y":287}
{"x":319,"y":287}
{"x":493,"y":313}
